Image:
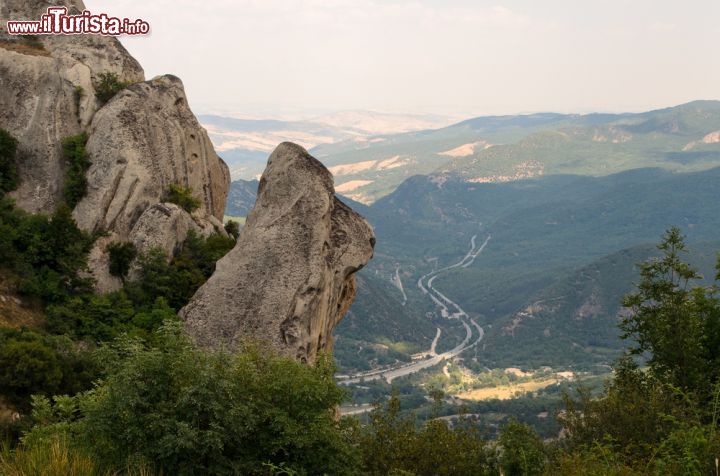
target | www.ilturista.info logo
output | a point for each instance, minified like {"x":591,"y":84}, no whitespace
{"x":57,"y":22}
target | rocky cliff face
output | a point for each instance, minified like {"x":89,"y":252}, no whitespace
{"x":145,"y":139}
{"x":289,"y":280}
{"x":140,"y":142}
{"x":41,"y":100}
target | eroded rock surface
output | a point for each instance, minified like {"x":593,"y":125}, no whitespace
{"x":289,"y":280}
{"x":47,"y":94}
{"x":143,"y":140}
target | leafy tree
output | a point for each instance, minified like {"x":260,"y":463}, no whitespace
{"x":670,"y":316}
{"x":8,"y":166}
{"x":121,"y":257}
{"x":182,"y":196}
{"x":78,"y":164}
{"x":634,"y":414}
{"x":32,"y":362}
{"x":107,"y":316}
{"x":597,"y":459}
{"x":663,"y":420}
{"x":523,"y":452}
{"x":178,"y":280}
{"x":108,"y":86}
{"x":47,"y":253}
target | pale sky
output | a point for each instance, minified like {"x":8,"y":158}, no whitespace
{"x":458,"y":57}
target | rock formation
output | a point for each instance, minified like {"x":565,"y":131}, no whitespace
{"x":143,"y":140}
{"x":289,"y":280}
{"x":140,"y":142}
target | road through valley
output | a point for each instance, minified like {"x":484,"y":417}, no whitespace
{"x":449,"y":310}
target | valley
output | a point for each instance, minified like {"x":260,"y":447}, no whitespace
{"x":473,"y":332}
{"x":549,"y":256}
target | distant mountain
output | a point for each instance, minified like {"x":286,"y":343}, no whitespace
{"x":508,"y":148}
{"x":241,"y":197}
{"x":682,"y":138}
{"x":573,"y":322}
{"x":570,"y":235}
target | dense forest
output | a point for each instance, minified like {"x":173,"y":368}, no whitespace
{"x":109,"y":384}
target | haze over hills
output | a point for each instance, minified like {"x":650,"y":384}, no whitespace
{"x":368,"y":165}
{"x":245,"y":143}
{"x":506,"y":148}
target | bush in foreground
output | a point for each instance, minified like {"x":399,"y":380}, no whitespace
{"x":193,"y":412}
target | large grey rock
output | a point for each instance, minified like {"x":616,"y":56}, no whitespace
{"x":289,"y":280}
{"x":143,"y":140}
{"x":39,"y":99}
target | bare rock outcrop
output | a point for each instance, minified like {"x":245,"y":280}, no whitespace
{"x":289,"y":280}
{"x":143,"y":140}
{"x":47,"y":93}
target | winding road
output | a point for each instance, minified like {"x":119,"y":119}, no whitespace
{"x":446,"y":305}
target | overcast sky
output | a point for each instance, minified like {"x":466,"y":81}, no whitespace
{"x":459,"y":57}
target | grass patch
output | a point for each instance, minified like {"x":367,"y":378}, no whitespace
{"x":506,"y":392}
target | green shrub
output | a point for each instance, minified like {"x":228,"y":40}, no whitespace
{"x":178,"y":280}
{"x":181,"y":196}
{"x":141,"y":306}
{"x":78,"y":165}
{"x":121,"y":257}
{"x":8,"y":166}
{"x":45,"y":253}
{"x":106,"y":316}
{"x":232,"y":228}
{"x":79,"y":93}
{"x":108,"y":86}
{"x":193,"y":412}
